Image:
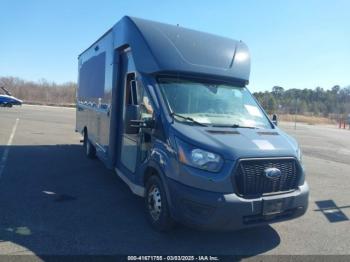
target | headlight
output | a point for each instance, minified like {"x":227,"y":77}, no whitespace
{"x":198,"y":158}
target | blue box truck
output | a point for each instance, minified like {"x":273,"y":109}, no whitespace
{"x":168,"y":109}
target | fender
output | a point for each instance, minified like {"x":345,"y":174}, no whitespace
{"x":163,"y":178}
{"x":160,"y":161}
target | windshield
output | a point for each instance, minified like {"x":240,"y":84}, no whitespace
{"x":212,"y":104}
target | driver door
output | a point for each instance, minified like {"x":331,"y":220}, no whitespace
{"x":134,"y":142}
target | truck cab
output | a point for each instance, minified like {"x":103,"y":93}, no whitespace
{"x":174,"y":118}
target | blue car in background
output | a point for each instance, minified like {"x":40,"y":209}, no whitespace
{"x":7,"y":100}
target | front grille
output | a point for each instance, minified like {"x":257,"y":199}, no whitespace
{"x":251,"y":180}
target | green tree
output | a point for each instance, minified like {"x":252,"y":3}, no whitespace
{"x":272,"y":105}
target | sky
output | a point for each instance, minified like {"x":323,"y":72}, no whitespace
{"x":293,"y":43}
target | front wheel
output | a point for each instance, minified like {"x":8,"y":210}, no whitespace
{"x":156,"y":205}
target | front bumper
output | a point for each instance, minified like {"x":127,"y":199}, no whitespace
{"x":218,"y":211}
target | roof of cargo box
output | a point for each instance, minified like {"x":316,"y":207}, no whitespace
{"x":159,"y":47}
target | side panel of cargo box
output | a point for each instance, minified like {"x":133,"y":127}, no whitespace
{"x":94,"y":94}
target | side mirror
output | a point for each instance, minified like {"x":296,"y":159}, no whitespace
{"x":131,"y":114}
{"x":275,"y":119}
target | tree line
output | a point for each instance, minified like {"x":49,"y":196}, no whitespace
{"x":40,"y":92}
{"x":318,"y":102}
{"x":332,"y":102}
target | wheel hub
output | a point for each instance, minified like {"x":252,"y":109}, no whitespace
{"x":154,"y":202}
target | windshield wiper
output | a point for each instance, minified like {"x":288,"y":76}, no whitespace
{"x":236,"y":126}
{"x":188,"y":118}
{"x":239,"y":126}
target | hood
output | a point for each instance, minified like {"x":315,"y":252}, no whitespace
{"x":235,"y":143}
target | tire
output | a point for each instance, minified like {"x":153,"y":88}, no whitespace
{"x":90,"y":150}
{"x":156,"y":205}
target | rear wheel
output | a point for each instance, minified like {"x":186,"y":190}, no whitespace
{"x":90,"y":150}
{"x":156,"y":205}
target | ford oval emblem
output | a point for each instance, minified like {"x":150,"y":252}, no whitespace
{"x":272,"y":172}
